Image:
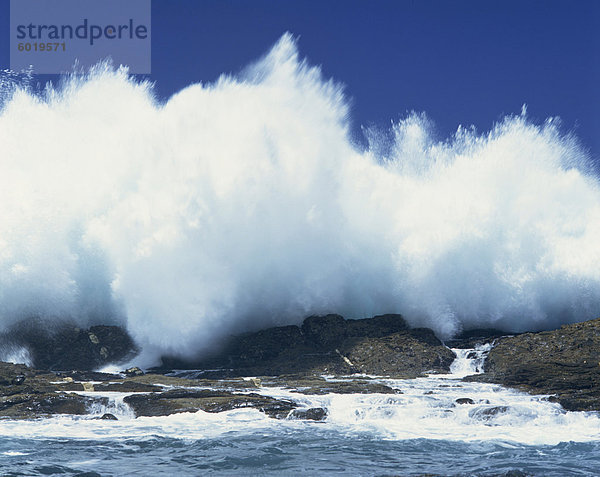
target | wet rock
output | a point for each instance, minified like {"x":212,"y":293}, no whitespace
{"x":135,"y":371}
{"x":277,"y":409}
{"x":488,"y":413}
{"x":376,"y":327}
{"x":329,"y":331}
{"x":10,"y":373}
{"x":86,"y":376}
{"x":382,"y":345}
{"x":127,"y":387}
{"x":475,"y":337}
{"x":34,"y":404}
{"x":410,"y":353}
{"x":65,"y":346}
{"x":108,"y":417}
{"x":45,"y":393}
{"x":325,"y":331}
{"x":464,"y":401}
{"x":254,"y":348}
{"x":18,"y":379}
{"x":319,"y":386}
{"x":312,"y":414}
{"x":563,"y":362}
{"x":189,"y":400}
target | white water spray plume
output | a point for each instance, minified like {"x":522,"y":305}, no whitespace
{"x":245,"y":204}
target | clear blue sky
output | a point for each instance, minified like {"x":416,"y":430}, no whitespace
{"x":462,"y":62}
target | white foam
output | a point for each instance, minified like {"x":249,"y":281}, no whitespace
{"x":10,"y":353}
{"x":469,"y":361}
{"x":115,"y":405}
{"x":244,"y":203}
{"x":427,"y":408}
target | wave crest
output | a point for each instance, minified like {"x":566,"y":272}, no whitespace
{"x":244,"y":204}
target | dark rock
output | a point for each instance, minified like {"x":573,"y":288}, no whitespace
{"x":65,"y":346}
{"x":189,"y":400}
{"x":464,"y":401}
{"x":45,"y":393}
{"x":30,"y":405}
{"x":18,"y":379}
{"x":331,"y":330}
{"x":277,"y":409}
{"x":266,"y":344}
{"x":9,"y":373}
{"x":109,"y":417}
{"x":135,"y":371}
{"x":406,"y":354}
{"x":319,"y":386}
{"x":127,"y":387}
{"x":88,"y":376}
{"x":564,"y":362}
{"x":382,"y":345}
{"x":312,"y":414}
{"x":325,"y":331}
{"x":376,"y":327}
{"x":488,"y":413}
{"x":474,"y":337}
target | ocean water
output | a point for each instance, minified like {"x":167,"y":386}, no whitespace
{"x":246,"y":203}
{"x":421,"y":431}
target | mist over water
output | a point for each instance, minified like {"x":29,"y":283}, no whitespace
{"x":245,"y":203}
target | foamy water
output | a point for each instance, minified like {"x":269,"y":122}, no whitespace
{"x":423,"y":429}
{"x":244,"y":203}
{"x":424,"y":408}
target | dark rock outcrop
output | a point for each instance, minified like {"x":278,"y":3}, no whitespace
{"x":382,"y":345}
{"x":564,"y":363}
{"x":464,"y":401}
{"x":474,"y":337}
{"x":312,"y":414}
{"x":406,"y":354}
{"x":108,"y":417}
{"x":44,"y":393}
{"x":135,"y":371}
{"x":36,"y":394}
{"x":208,"y":400}
{"x":66,"y":346}
{"x":324,"y":331}
{"x":319,"y":385}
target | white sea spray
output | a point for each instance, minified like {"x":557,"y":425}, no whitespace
{"x":245,"y":203}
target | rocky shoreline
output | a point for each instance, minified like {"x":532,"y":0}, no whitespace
{"x":383,"y":345}
{"x":563,"y":363}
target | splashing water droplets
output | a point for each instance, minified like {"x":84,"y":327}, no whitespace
{"x":243,"y":204}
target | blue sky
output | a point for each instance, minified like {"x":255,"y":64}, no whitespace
{"x":462,"y":62}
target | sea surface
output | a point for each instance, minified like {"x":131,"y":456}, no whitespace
{"x":423,"y":430}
